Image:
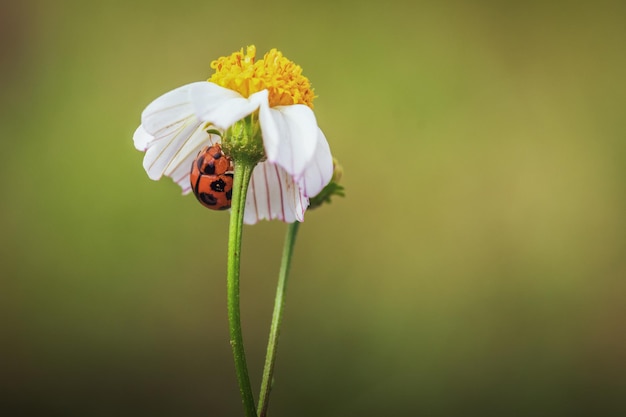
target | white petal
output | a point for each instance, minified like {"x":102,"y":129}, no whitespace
{"x":180,"y":173}
{"x":172,"y":136}
{"x":141,"y":139}
{"x":165,"y":153}
{"x":223,"y":107}
{"x":179,"y":166}
{"x":162,"y":115}
{"x":273,"y":194}
{"x":289,"y":136}
{"x":319,"y":172}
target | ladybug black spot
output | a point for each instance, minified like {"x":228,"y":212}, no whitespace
{"x":218,"y":185}
{"x":209,"y":169}
{"x":200,"y":162}
{"x":208,"y":199}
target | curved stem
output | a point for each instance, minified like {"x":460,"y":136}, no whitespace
{"x":279,"y":303}
{"x":241,"y":179}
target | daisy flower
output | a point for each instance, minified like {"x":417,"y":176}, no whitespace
{"x":270,"y":93}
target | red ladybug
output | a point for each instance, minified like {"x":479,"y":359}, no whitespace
{"x":212,"y":178}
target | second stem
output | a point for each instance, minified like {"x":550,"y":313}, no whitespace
{"x":279,"y":304}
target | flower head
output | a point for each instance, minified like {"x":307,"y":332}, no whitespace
{"x":281,"y":77}
{"x":273,"y":96}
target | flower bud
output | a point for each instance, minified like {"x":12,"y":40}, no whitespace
{"x":243,"y":140}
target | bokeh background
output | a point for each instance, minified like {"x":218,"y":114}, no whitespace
{"x":476,"y":266}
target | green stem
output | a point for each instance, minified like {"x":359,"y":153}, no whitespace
{"x":241,"y":179}
{"x":279,"y":304}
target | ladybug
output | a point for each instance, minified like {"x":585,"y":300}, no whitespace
{"x":212,"y":178}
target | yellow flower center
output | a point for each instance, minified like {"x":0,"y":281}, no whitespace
{"x":281,"y":77}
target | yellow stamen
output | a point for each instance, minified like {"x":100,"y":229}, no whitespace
{"x":281,"y":77}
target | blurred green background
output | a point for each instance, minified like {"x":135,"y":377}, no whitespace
{"x":476,"y":266}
